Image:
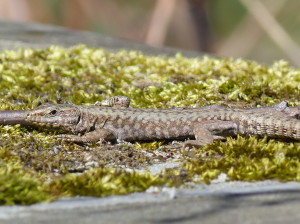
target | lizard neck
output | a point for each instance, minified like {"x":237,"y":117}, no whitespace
{"x":86,"y":121}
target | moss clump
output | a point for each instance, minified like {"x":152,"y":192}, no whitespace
{"x":20,"y":186}
{"x":30,"y":76}
{"x":246,"y":159}
{"x":104,"y":182}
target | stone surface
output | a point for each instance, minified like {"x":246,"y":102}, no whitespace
{"x":14,"y":35}
{"x":233,"y":202}
{"x":220,"y":202}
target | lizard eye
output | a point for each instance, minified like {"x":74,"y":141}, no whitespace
{"x":53,"y":112}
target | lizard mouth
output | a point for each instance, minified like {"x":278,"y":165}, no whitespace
{"x":42,"y":118}
{"x":41,"y":121}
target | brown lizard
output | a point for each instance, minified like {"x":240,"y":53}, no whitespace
{"x":113,"y":119}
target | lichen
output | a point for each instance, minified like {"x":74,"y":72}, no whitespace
{"x":36,"y":167}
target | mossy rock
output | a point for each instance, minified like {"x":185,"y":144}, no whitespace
{"x":35,"y":167}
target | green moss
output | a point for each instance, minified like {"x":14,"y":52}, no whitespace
{"x":19,"y":185}
{"x":149,"y":145}
{"x":103,"y":182}
{"x":246,"y":159}
{"x":30,"y":76}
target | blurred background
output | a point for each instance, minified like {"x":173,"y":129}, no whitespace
{"x":262,"y":30}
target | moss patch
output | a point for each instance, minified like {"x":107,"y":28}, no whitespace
{"x":104,"y":182}
{"x":84,"y":75}
{"x":246,"y":159}
{"x":20,"y":185}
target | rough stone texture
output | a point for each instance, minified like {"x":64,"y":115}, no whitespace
{"x":235,"y":202}
{"x":220,"y":202}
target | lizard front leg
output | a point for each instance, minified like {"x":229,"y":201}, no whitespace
{"x":92,"y":136}
{"x":207,"y":131}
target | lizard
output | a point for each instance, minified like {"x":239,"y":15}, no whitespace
{"x":113,"y":119}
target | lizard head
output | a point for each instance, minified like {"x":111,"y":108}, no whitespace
{"x":62,"y":116}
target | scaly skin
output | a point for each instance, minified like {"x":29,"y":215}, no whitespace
{"x":98,"y":122}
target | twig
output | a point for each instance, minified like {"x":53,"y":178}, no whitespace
{"x":247,"y":31}
{"x":160,"y":20}
{"x":273,"y":29}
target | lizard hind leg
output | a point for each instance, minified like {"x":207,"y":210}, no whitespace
{"x":207,"y":131}
{"x":115,"y":101}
